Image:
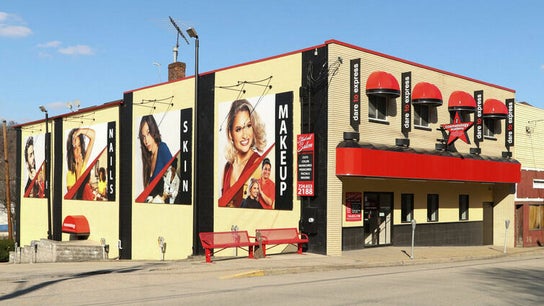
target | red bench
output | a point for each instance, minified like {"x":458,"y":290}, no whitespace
{"x":223,"y":240}
{"x":277,"y":236}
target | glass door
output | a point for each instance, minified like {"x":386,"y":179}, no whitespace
{"x":377,"y":218}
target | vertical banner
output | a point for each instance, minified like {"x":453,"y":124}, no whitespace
{"x":284,"y":151}
{"x":509,"y":135}
{"x":406,"y":121}
{"x":305,"y":157}
{"x":110,"y":189}
{"x":354,"y":206}
{"x":479,"y":117}
{"x":185,"y":157}
{"x":355,"y":97}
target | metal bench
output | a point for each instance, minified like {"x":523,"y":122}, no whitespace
{"x":222,"y":240}
{"x":277,"y":236}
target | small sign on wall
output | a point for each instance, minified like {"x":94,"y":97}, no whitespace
{"x":354,"y":206}
{"x":305,"y":177}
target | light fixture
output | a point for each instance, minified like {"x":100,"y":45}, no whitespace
{"x":192,"y":32}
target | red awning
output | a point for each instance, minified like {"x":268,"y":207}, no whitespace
{"x":382,"y":84}
{"x":427,"y":94}
{"x":377,"y":163}
{"x":460,"y":100}
{"x":494,"y":108}
{"x":76,"y":225}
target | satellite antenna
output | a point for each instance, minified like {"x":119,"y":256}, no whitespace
{"x":180,"y":33}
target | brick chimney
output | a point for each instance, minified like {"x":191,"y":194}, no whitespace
{"x":176,"y":71}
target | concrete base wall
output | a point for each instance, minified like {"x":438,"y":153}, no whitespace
{"x":58,"y":251}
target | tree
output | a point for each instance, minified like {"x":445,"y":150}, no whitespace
{"x":11,"y":162}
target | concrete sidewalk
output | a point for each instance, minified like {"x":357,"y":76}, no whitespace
{"x":285,"y":263}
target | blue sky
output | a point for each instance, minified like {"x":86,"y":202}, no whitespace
{"x":54,"y":52}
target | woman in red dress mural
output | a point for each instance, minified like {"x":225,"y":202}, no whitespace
{"x":246,"y":142}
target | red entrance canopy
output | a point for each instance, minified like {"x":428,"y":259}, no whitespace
{"x":378,"y":163}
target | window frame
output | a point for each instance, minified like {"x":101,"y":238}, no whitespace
{"x":433,"y":206}
{"x":407,"y":207}
{"x":490,"y":132}
{"x":419,"y":120}
{"x":374,"y":103}
{"x":464,"y":205}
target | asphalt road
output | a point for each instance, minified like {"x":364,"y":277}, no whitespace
{"x":499,"y":281}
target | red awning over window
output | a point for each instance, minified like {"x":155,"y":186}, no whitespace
{"x":382,"y":84}
{"x":378,"y":163}
{"x":76,"y":225}
{"x":494,"y":108}
{"x":460,"y":100}
{"x":427,"y":94}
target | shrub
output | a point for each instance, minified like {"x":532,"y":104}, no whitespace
{"x":6,"y":245}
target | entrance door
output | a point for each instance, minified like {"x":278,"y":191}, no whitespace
{"x":519,"y":225}
{"x":378,"y":207}
{"x":488,"y":223}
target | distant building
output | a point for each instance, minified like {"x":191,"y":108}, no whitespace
{"x":529,"y":201}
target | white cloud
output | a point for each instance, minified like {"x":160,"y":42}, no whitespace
{"x":50,"y":44}
{"x":77,"y":50}
{"x":10,"y":26}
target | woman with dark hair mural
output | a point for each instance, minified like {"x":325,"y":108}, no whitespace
{"x":77,"y":157}
{"x":246,"y":142}
{"x":155,"y":153}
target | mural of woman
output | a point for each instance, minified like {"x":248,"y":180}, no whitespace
{"x":77,"y":155}
{"x":155,"y":153}
{"x":246,"y":142}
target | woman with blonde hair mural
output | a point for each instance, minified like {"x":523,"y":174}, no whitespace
{"x":246,"y":142}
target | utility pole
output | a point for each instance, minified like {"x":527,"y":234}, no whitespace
{"x":8,"y":196}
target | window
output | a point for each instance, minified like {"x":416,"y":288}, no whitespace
{"x":432,"y":207}
{"x":538,"y":184}
{"x":490,"y":127}
{"x":464,"y":115}
{"x":407,"y":207}
{"x":536,"y":217}
{"x":377,"y":107}
{"x":463,"y":207}
{"x":421,"y":115}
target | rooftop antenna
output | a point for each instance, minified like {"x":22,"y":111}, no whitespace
{"x":180,"y":33}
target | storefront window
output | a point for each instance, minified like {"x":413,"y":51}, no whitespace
{"x":377,"y":107}
{"x":421,"y":115}
{"x":536,"y":217}
{"x":407,"y":209}
{"x":432,"y":207}
{"x":463,"y":207}
{"x":491,"y":127}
